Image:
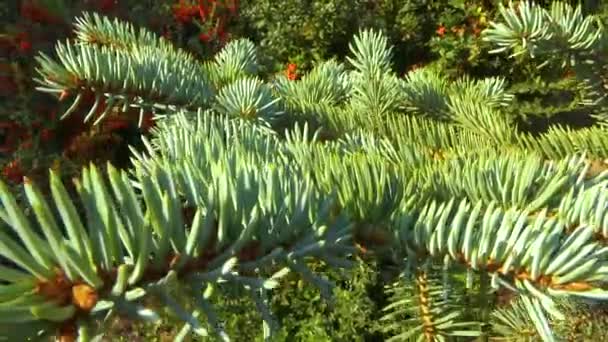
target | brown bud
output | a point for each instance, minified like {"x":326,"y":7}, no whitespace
{"x":84,"y":297}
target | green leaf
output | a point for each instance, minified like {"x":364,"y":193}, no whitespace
{"x":52,"y":312}
{"x":69,"y":215}
{"x":39,"y":249}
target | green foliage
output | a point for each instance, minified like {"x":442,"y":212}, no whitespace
{"x":561,"y":35}
{"x":414,"y":300}
{"x":587,"y":321}
{"x":456,"y":41}
{"x":302,"y":313}
{"x":348,"y":319}
{"x":313,"y":31}
{"x":429,"y":174}
{"x":300,"y":32}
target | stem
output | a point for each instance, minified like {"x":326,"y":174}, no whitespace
{"x":425,"y":307}
{"x":485,"y":305}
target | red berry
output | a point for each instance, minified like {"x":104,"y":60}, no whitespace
{"x":13,"y":172}
{"x":25,"y":46}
